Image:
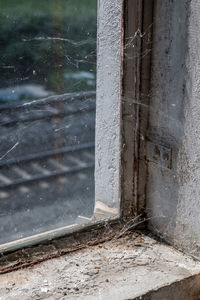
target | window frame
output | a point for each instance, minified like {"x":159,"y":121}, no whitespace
{"x":135,"y":81}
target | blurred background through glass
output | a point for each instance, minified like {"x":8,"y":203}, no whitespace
{"x":47,"y":107}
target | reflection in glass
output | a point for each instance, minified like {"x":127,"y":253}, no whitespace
{"x":47,"y":107}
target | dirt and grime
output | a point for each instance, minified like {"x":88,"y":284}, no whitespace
{"x":116,"y":269}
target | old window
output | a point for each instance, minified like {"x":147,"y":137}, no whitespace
{"x":48,"y":99}
{"x":146,"y":147}
{"x":70,"y":106}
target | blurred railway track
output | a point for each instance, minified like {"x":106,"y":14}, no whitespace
{"x":50,"y":160}
{"x":46,"y":165}
{"x":58,"y":106}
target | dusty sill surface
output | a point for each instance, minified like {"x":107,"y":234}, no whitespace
{"x":124,"y":268}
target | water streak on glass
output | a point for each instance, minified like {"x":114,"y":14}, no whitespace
{"x":47,"y":108}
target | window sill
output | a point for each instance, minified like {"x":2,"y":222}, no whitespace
{"x":124,"y":268}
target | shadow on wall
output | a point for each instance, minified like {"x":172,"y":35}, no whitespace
{"x":173,"y":189}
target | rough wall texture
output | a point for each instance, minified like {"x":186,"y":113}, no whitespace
{"x":173,"y":193}
{"x":188,"y":208}
{"x":107,"y":172}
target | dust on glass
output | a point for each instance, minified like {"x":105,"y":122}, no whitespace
{"x":47,"y":107}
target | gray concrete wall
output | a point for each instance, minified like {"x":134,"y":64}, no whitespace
{"x":108,"y":107}
{"x":173,"y":188}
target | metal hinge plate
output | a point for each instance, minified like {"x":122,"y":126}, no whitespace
{"x":159,"y":154}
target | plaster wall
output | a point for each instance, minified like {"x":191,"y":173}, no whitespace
{"x":107,"y":173}
{"x":173,"y":193}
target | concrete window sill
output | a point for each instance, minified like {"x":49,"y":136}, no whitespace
{"x":132,"y":267}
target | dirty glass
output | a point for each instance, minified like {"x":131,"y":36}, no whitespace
{"x":47,"y":109}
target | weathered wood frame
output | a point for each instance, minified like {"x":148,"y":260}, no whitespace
{"x":138,"y":26}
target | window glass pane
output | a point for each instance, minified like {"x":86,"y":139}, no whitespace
{"x":52,"y":116}
{"x":47,"y":108}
